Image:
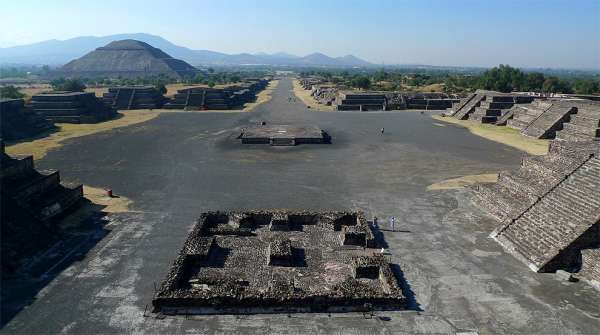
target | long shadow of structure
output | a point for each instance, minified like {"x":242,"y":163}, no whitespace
{"x":21,"y":288}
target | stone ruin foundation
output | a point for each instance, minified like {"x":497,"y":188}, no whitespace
{"x":279,"y":262}
{"x":284,"y":135}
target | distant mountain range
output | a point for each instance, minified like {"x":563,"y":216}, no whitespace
{"x":55,"y":52}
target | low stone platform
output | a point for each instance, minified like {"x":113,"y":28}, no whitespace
{"x":279,"y":262}
{"x":71,"y":107}
{"x":284,"y":135}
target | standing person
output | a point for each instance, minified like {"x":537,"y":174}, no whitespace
{"x":382,"y":130}
{"x":393,"y":223}
{"x":375,"y":222}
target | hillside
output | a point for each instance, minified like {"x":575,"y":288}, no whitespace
{"x":57,"y":52}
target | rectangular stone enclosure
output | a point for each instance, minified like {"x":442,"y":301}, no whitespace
{"x":279,"y":262}
{"x":284,"y":135}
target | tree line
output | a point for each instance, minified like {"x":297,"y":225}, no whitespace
{"x":502,"y":78}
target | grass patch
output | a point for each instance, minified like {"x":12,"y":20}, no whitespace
{"x":40,"y":147}
{"x":308,"y":99}
{"x":461,"y":182}
{"x":501,"y":134}
{"x":115,"y":204}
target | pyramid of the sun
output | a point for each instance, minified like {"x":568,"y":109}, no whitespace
{"x":127,"y":59}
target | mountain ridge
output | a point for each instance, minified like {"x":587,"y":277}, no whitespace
{"x":59,"y":52}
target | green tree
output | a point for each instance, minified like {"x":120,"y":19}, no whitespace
{"x":503,"y":78}
{"x":211,"y":84}
{"x":556,"y":85}
{"x":534,"y":81}
{"x":361,"y":82}
{"x":10,"y":92}
{"x":586,"y":86}
{"x":71,"y":85}
{"x":161,"y":88}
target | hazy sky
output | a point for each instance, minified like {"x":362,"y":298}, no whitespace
{"x":526,"y":33}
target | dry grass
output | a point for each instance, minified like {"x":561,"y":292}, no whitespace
{"x":464,"y":181}
{"x":40,"y":147}
{"x":262,"y":97}
{"x":115,"y":204}
{"x":31,"y":90}
{"x":308,"y":99}
{"x":505,"y":135}
{"x":96,"y":201}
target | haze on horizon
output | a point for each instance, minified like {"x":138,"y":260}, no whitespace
{"x":554,"y":33}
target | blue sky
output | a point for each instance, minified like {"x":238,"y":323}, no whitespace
{"x":525,"y":33}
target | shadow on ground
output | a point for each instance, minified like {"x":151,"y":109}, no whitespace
{"x":80,"y":231}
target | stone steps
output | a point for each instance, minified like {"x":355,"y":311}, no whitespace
{"x":469,"y":107}
{"x":546,"y":124}
{"x":546,"y":229}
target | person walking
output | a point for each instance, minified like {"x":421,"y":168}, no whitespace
{"x":382,"y":130}
{"x":393,"y":223}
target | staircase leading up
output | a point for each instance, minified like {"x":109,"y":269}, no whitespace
{"x":550,"y":233}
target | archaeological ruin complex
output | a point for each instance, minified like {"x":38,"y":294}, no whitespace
{"x":278,"y":262}
{"x":206,"y":98}
{"x":565,"y":119}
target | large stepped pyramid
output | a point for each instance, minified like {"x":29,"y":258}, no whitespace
{"x":133,"y":97}
{"x":127,"y":59}
{"x":550,"y":234}
{"x":18,"y":122}
{"x":31,"y":201}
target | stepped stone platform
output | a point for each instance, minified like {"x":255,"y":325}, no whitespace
{"x":279,"y":262}
{"x":133,"y":97}
{"x":360,"y":101}
{"x":583,"y":124}
{"x":204,"y":98}
{"x":71,"y":107}
{"x":568,"y":120}
{"x":31,"y":199}
{"x":18,"y":122}
{"x":487,"y":106}
{"x":284,"y":135}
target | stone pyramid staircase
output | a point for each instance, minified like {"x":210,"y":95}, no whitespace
{"x":551,"y":232}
